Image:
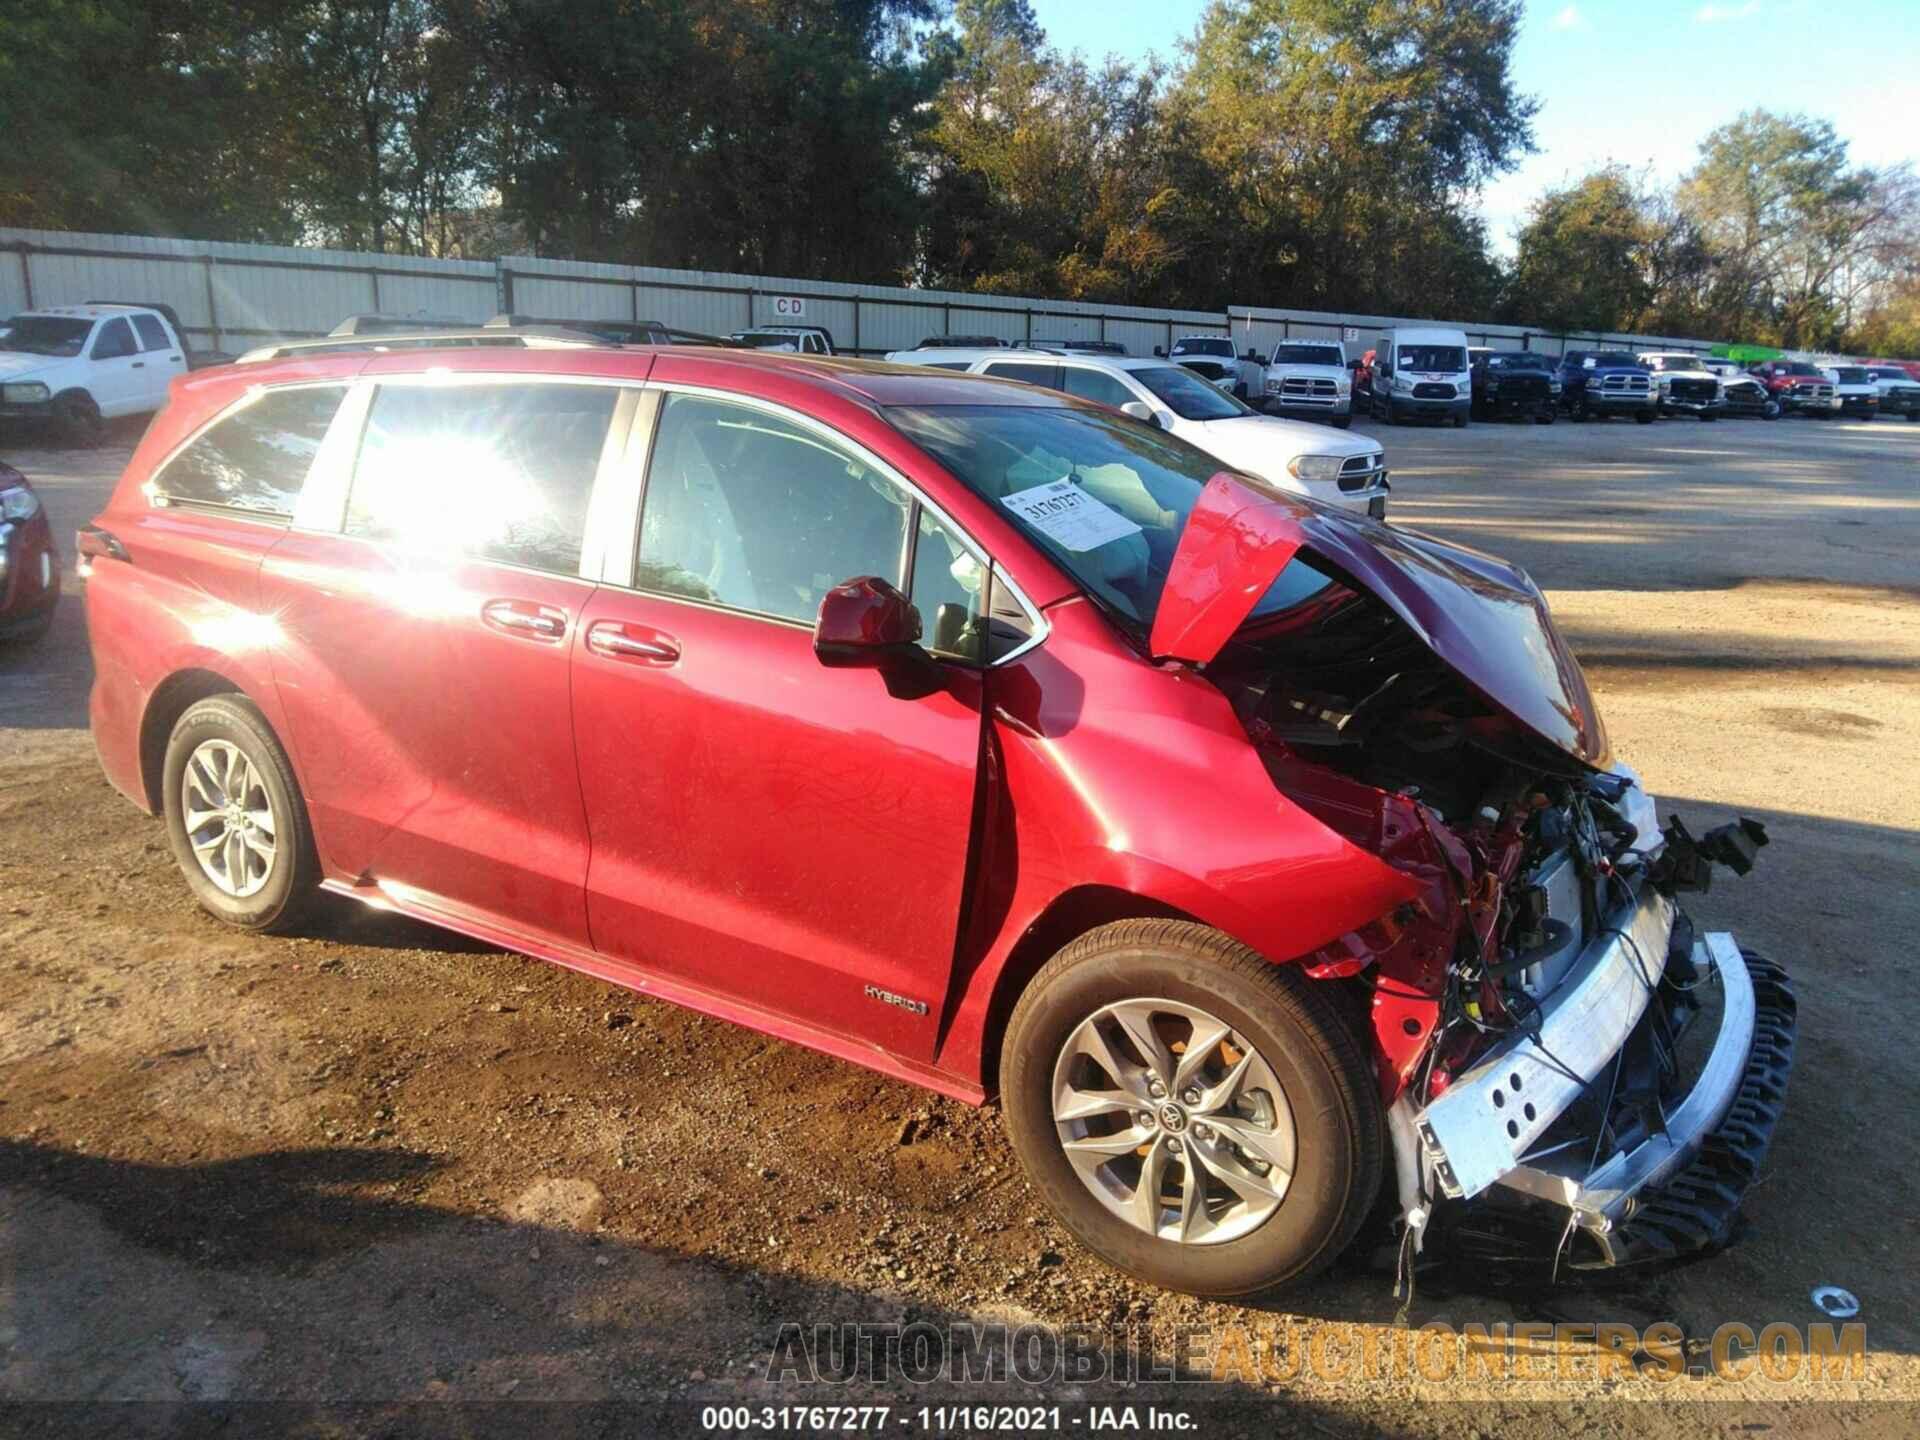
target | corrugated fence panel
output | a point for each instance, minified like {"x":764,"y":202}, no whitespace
{"x":235,"y":295}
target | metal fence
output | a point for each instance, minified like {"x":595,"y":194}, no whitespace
{"x":231,"y":296}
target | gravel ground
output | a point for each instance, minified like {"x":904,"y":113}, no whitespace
{"x":379,"y":1165}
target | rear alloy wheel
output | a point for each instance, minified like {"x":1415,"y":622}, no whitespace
{"x":235,"y":819}
{"x":1198,"y":1117}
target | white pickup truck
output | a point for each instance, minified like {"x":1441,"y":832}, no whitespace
{"x":82,"y":365}
{"x":1309,"y":379}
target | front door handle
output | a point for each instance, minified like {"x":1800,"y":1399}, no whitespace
{"x":618,"y":640}
{"x":525,"y":619}
{"x":139,"y":364}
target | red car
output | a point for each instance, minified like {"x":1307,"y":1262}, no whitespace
{"x":29,"y":564}
{"x":1255,"y":856}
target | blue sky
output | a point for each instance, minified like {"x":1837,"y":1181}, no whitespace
{"x":1635,"y":81}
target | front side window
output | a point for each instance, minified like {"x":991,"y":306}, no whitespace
{"x":114,"y":342}
{"x":746,"y":510}
{"x":1095,"y":385}
{"x":256,"y":458}
{"x":496,"y":472}
{"x":153,"y":335}
{"x":1187,"y":395}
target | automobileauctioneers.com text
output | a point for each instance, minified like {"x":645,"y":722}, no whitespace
{"x":925,"y":1354}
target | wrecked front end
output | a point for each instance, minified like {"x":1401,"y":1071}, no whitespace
{"x":1571,"y":1073}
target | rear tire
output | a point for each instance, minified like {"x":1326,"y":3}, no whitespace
{"x":1271,"y":1016}
{"x":236,"y":883}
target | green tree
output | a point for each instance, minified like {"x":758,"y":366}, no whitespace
{"x":127,"y":115}
{"x":1344,"y":139}
{"x":1786,"y":216}
{"x":1582,"y":259}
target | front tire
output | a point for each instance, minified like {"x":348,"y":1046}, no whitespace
{"x":235,"y":817}
{"x":1644,"y":417}
{"x":79,"y":419}
{"x":1163,"y":1054}
{"x":1342,"y":422}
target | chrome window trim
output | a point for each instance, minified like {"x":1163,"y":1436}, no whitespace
{"x":619,"y":569}
{"x":158,"y":498}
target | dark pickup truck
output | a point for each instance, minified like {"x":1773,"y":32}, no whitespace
{"x":1517,"y":383}
{"x":1597,"y":383}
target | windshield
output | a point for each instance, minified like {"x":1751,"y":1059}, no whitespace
{"x":1852,"y":375}
{"x":56,"y":335}
{"x":1890,"y":372}
{"x":1617,"y":359}
{"x":1309,"y":355}
{"x":1797,"y":367}
{"x":1447,"y":358}
{"x":768,"y":340}
{"x":1202,"y":345}
{"x":1518,"y":360}
{"x":1188,"y":396}
{"x":1107,"y":498}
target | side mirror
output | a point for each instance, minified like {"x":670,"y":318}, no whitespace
{"x":1160,"y":352}
{"x":1141,"y":411}
{"x":866,"y":624}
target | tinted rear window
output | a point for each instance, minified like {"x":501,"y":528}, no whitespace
{"x":258,"y":457}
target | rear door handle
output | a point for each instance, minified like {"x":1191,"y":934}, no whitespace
{"x":525,"y":619}
{"x":618,"y":640}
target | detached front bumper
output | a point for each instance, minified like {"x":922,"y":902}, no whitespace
{"x":1518,"y":1130}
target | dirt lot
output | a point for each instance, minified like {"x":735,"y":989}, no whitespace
{"x":379,"y":1165}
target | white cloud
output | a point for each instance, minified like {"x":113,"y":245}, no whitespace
{"x":1714,"y":14}
{"x":1571,"y":19}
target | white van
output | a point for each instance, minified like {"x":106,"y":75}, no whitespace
{"x":1422,"y":372}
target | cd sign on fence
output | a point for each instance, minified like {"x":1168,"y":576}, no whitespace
{"x":789,"y":307}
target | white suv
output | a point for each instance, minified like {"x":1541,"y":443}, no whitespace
{"x":80,"y":365}
{"x":1345,"y":471}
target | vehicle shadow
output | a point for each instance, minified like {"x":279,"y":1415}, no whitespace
{"x":298,"y":1292}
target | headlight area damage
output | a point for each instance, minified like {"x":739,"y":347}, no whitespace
{"x":1572,"y":1074}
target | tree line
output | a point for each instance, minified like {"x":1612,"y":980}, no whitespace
{"x":1324,"y":154}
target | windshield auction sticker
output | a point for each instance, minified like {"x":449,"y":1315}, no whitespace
{"x":1068,"y":516}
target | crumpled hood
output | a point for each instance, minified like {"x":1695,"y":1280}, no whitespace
{"x":1482,"y":617}
{"x":22,"y":365}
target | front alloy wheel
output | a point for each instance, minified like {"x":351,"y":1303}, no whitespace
{"x":1197,"y":1116}
{"x":1173,"y":1122}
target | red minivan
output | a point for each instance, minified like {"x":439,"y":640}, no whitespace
{"x":1259,"y":858}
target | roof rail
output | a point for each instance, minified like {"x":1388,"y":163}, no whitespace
{"x":527,"y":337}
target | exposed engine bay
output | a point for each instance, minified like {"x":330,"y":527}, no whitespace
{"x":1531,"y":1009}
